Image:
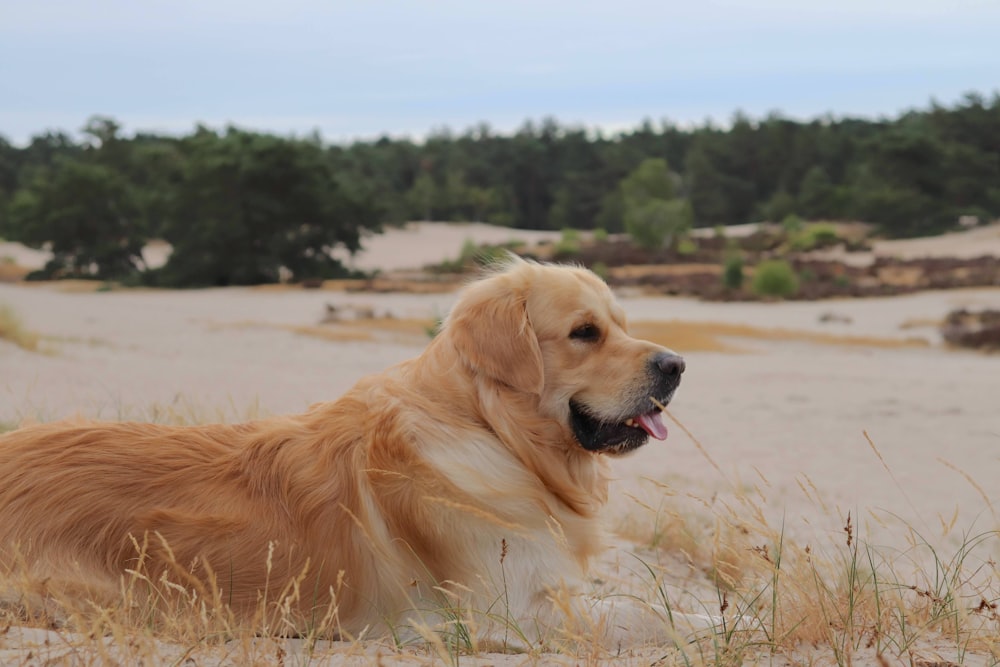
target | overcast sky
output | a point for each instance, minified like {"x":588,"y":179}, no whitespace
{"x":365,"y":68}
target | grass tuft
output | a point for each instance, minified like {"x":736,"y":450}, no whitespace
{"x":846,"y":600}
{"x":13,"y":331}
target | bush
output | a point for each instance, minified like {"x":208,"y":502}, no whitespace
{"x":600,"y":235}
{"x":732,"y":273}
{"x":792,"y":223}
{"x":569,"y":242}
{"x":775,"y":278}
{"x":815,"y":237}
{"x":686,"y":246}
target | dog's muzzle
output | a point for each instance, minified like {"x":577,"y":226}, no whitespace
{"x":642,"y":417}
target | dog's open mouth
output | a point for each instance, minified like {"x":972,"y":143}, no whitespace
{"x":598,"y":435}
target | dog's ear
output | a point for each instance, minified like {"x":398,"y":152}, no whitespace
{"x":489,"y":327}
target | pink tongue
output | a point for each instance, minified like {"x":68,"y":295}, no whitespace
{"x":653,"y":424}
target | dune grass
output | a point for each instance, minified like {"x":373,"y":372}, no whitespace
{"x":844,"y":600}
{"x":848,"y":599}
{"x":13,"y":331}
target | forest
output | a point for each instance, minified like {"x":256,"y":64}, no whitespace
{"x":240,"y":207}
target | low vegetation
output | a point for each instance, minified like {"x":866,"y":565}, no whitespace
{"x":775,"y":278}
{"x":13,"y":331}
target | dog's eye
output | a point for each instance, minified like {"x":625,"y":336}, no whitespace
{"x":585,"y":332}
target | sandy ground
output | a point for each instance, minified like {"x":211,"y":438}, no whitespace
{"x":411,"y":246}
{"x":785,"y":418}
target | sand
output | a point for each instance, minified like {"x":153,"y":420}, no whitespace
{"x":785,"y":420}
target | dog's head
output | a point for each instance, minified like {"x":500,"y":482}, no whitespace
{"x":558,"y":333}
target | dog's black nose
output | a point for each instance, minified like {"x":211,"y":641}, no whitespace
{"x":671,"y":365}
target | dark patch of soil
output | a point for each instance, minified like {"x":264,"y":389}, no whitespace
{"x":979,"y":330}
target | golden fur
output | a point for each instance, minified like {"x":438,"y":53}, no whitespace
{"x":416,"y":479}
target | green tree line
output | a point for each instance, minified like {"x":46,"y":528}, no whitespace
{"x":237,"y":205}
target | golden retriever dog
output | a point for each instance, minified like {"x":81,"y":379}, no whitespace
{"x":471,"y":478}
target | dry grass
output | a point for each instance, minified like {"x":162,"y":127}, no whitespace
{"x":73,"y":286}
{"x":13,"y":331}
{"x":845,"y":601}
{"x":710,"y":336}
{"x":417,"y":284}
{"x":921,"y":322}
{"x":680,"y":335}
{"x":363,"y":330}
{"x":638,"y":271}
{"x":11,"y":271}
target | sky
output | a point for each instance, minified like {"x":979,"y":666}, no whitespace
{"x":359,"y":70}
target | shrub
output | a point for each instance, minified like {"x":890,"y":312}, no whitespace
{"x":732,"y":272}
{"x":600,"y":235}
{"x":814,"y":237}
{"x":775,"y":278}
{"x":792,"y":223}
{"x":13,"y":331}
{"x":686,"y":246}
{"x":569,"y":242}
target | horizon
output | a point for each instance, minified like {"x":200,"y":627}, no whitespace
{"x":592,"y":130}
{"x":359,"y":71}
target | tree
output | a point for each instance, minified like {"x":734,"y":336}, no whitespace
{"x":652,"y":215}
{"x":421,"y":197}
{"x":233,"y":196}
{"x":816,"y":195}
{"x":658,"y":222}
{"x":87,"y":215}
{"x":252,"y":204}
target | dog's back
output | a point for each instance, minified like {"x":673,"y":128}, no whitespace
{"x":244,"y":509}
